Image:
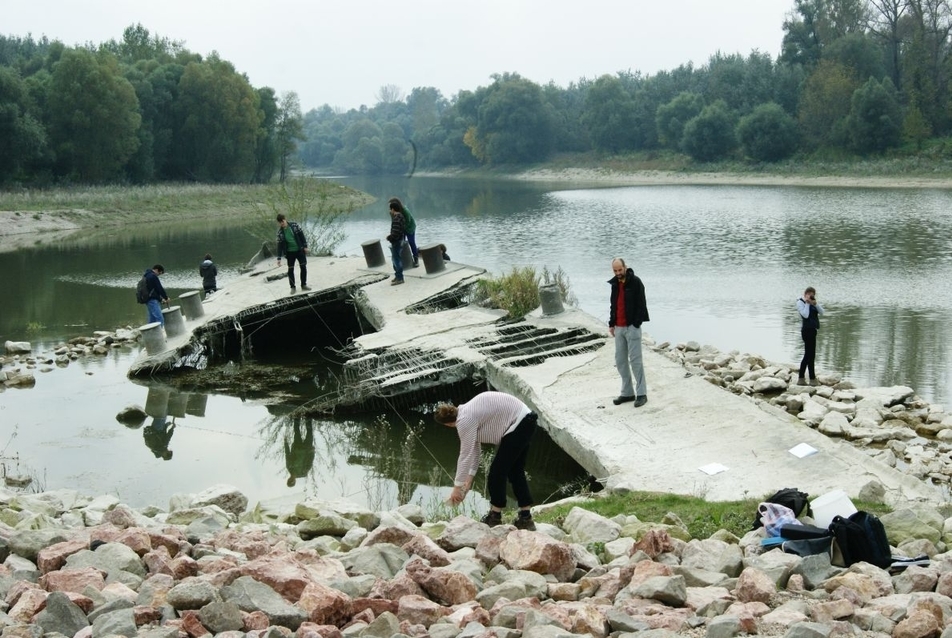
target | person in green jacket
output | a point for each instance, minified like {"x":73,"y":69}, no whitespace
{"x":409,"y":227}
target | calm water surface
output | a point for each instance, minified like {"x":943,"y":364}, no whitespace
{"x":722,"y":265}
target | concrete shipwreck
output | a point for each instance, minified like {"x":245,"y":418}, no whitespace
{"x":398,"y":344}
{"x":405,"y":346}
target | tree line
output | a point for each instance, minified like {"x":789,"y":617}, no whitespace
{"x":141,"y":109}
{"x":854,"y":78}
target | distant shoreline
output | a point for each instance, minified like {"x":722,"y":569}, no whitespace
{"x":609,"y":177}
{"x":21,"y":229}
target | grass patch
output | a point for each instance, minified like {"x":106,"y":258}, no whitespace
{"x":89,"y":205}
{"x":701,"y":518}
{"x":517,"y":292}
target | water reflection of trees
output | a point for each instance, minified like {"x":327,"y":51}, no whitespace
{"x":881,"y":344}
{"x":397,"y":454}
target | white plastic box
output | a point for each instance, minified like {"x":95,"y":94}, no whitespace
{"x":835,"y":503}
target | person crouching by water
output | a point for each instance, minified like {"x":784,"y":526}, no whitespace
{"x":507,"y":423}
{"x":810,"y":312}
{"x":209,"y":272}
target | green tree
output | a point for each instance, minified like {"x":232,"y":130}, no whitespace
{"x":885,"y":17}
{"x":289,"y":130}
{"x":860,"y":54}
{"x":266,"y":153}
{"x":875,"y":120}
{"x":514,"y":123}
{"x":609,"y":115}
{"x":915,"y":127}
{"x":825,"y":103}
{"x":22,"y":137}
{"x":94,"y":116}
{"x":768,"y":134}
{"x":672,"y":117}
{"x":221,"y":123}
{"x":710,"y":135}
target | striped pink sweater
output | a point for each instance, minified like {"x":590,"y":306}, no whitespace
{"x":485,"y":419}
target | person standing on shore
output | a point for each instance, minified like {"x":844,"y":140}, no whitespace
{"x":293,"y":244}
{"x":396,"y":239}
{"x":810,"y":312}
{"x":507,"y":423}
{"x":209,"y":272}
{"x":409,"y":229}
{"x":157,"y":294}
{"x":627,"y":311}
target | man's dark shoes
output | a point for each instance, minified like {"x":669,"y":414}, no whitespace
{"x":293,"y":290}
{"x":305,"y":287}
{"x":622,"y":399}
{"x":525,"y":522}
{"x":640,"y":400}
{"x":492,"y":519}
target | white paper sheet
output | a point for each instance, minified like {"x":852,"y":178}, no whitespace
{"x":802,"y":449}
{"x":713,"y":468}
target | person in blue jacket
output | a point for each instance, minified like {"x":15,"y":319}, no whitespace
{"x":157,"y":294}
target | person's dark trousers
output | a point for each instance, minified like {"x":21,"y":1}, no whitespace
{"x":301,"y":257}
{"x":510,"y":462}
{"x":809,"y":352}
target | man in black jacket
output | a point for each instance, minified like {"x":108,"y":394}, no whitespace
{"x":293,"y":244}
{"x":627,"y":312}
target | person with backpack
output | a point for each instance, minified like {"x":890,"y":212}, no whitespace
{"x":293,"y":244}
{"x":409,"y":228}
{"x":155,"y":294}
{"x":209,"y":272}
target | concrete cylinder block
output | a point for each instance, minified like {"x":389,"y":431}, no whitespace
{"x":177,"y":404}
{"x":373,"y":253}
{"x":157,"y":401}
{"x":551,"y":298}
{"x":152,"y":337}
{"x":174,"y":321}
{"x":191,"y":303}
{"x":407,"y":256}
{"x":432,"y":256}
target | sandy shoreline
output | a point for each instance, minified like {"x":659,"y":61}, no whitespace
{"x":608,"y":177}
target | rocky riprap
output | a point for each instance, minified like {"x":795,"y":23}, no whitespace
{"x":18,"y":363}
{"x":891,"y":424}
{"x":91,"y":568}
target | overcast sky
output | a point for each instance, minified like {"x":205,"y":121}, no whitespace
{"x":340,"y":52}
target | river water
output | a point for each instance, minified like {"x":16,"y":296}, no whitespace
{"x":722,"y":265}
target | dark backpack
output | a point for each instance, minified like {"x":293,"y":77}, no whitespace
{"x":788,"y":497}
{"x":861,"y":537}
{"x":142,"y":291}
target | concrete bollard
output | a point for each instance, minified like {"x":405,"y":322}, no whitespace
{"x":177,"y":404}
{"x":407,"y":256}
{"x":174,"y":321}
{"x":152,"y":337}
{"x":551,"y":298}
{"x":192,"y":305}
{"x":432,"y":257}
{"x":157,"y":401}
{"x":373,"y":253}
{"x":196,"y":404}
